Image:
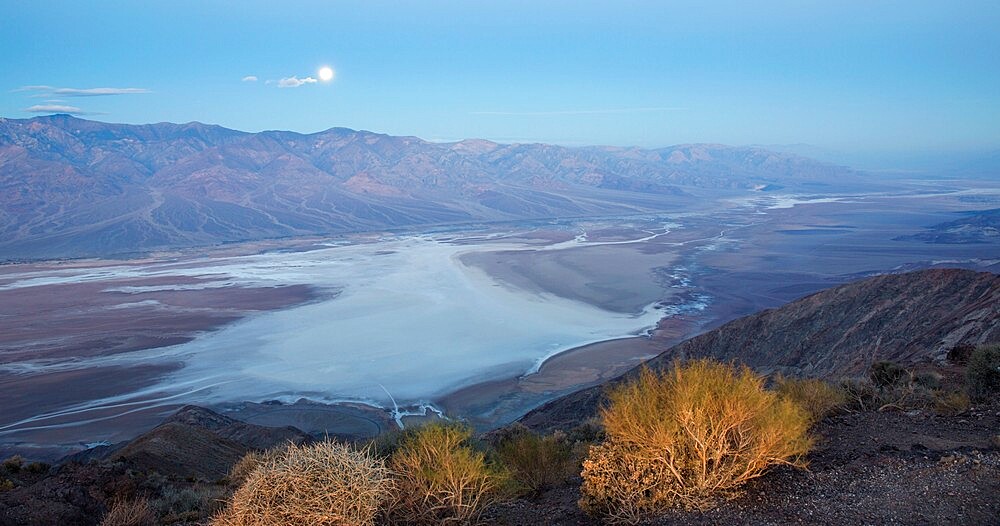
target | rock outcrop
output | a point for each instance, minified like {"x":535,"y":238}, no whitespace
{"x":197,"y":442}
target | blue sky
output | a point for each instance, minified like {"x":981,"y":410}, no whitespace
{"x":853,"y":76}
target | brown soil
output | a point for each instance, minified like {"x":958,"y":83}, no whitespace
{"x":867,"y":468}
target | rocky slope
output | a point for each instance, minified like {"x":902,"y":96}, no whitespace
{"x":71,"y":187}
{"x":906,"y":318}
{"x":178,"y":463}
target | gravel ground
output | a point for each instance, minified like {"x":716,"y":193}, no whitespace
{"x":868,"y":468}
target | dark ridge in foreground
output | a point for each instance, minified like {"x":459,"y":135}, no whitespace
{"x":908,"y":318}
{"x":189,"y":452}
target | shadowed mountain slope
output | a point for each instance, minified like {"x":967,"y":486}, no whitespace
{"x":196,"y":442}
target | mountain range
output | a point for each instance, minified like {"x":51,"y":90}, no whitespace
{"x":71,"y":187}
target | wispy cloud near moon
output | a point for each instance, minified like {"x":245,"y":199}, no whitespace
{"x":578,"y":112}
{"x":46,"y":91}
{"x":250,"y":78}
{"x":294,"y":82}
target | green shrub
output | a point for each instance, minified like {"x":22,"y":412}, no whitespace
{"x":862,"y":395}
{"x":536,"y":462}
{"x":960,"y":353}
{"x":983,"y":372}
{"x":817,"y":397}
{"x":439,"y":478}
{"x":321,"y":484}
{"x":37,"y":467}
{"x":885,"y":374}
{"x":686,"y":437}
{"x":6,"y":484}
{"x":13,"y":464}
{"x":589,"y":431}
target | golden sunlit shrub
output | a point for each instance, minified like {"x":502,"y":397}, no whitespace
{"x":536,"y":462}
{"x":321,"y":484}
{"x":687,"y":436}
{"x":130,"y":513}
{"x":246,"y":465}
{"x":817,"y":397}
{"x":440,"y":479}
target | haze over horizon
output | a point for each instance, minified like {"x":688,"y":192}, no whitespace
{"x":856,"y":77}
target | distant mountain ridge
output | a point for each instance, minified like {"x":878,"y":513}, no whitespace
{"x":71,"y":187}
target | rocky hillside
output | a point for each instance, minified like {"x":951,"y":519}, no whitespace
{"x":906,"y":318}
{"x":73,"y":187}
{"x":179,"y":462}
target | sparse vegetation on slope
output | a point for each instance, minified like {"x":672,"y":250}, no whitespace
{"x":983,"y":372}
{"x":440,"y":479}
{"x":130,"y":513}
{"x":817,"y":397}
{"x":687,"y":436}
{"x":537,"y":462}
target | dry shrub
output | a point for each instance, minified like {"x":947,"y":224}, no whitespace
{"x":864,"y":395}
{"x":13,"y":464}
{"x":928,"y":379}
{"x":817,"y":397}
{"x":130,"y":513}
{"x":983,"y":373}
{"x":246,"y":465}
{"x":536,"y":462}
{"x":886,"y":374}
{"x":951,"y":403}
{"x":188,"y":504}
{"x":440,"y":479}
{"x":322,"y":484}
{"x":687,"y":436}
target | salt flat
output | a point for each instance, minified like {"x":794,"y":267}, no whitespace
{"x":410,"y":320}
{"x":403,"y":321}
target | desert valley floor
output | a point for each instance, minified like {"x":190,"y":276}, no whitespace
{"x":357,"y":333}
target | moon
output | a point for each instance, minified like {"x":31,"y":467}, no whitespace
{"x":325,"y":73}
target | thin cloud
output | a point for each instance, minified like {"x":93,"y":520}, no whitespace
{"x":47,"y":91}
{"x":250,"y":78}
{"x":294,"y":82}
{"x":577,"y":112}
{"x":58,"y":108}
